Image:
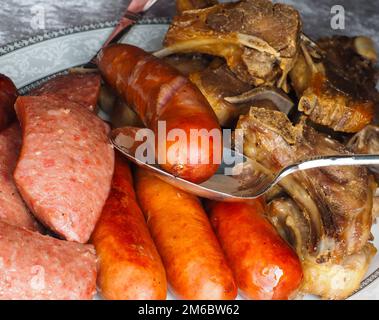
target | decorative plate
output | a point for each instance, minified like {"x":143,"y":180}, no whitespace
{"x":30,"y":62}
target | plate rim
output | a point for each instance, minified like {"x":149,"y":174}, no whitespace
{"x":48,"y":35}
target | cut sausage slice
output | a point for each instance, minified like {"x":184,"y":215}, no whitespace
{"x":66,"y":164}
{"x":12,"y":208}
{"x":33,"y":266}
{"x":80,"y":88}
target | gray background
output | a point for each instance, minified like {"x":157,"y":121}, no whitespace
{"x":362,"y":17}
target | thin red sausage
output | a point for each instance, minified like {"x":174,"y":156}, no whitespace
{"x":12,"y":208}
{"x":8,"y":96}
{"x":158,"y":92}
{"x":264,"y":265}
{"x":130,"y":267}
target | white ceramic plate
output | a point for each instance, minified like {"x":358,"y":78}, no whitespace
{"x":30,"y":62}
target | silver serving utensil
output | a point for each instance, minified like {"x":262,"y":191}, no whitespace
{"x":249,"y":180}
{"x":133,"y":13}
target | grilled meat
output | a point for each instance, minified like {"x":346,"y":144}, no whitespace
{"x":365,"y":141}
{"x":230,"y":97}
{"x":337,"y":201}
{"x":258,"y":39}
{"x":187,"y":63}
{"x":337,"y":87}
{"x":184,"y":5}
{"x":330,"y":280}
{"x":216,"y":83}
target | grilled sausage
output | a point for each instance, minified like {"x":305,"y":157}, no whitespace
{"x":65,"y":167}
{"x":129,"y":265}
{"x":160,"y":94}
{"x":8,"y":96}
{"x":195,"y":265}
{"x":33,"y":266}
{"x":264,"y":265}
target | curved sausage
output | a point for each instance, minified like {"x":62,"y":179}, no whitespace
{"x":159,"y":93}
{"x":8,"y":96}
{"x":129,"y":265}
{"x":12,"y":208}
{"x":264,"y":265}
{"x":195,"y":265}
{"x":82,"y":88}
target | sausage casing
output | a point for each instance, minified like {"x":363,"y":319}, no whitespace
{"x":160,"y":94}
{"x":195,"y":265}
{"x":264,"y":265}
{"x":129,"y":264}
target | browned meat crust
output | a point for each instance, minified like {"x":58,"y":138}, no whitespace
{"x":216,"y":84}
{"x":336,"y":200}
{"x":338,"y":90}
{"x":183,"y":5}
{"x":258,"y":39}
{"x":330,"y":280}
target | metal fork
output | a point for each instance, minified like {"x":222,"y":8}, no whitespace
{"x":249,"y":179}
{"x":133,"y":13}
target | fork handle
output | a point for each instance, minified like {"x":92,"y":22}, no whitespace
{"x":326,"y":161}
{"x":340,"y":160}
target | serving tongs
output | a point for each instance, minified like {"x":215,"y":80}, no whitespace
{"x":244,"y":179}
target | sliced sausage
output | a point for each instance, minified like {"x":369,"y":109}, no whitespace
{"x":8,"y":96}
{"x":12,"y":208}
{"x":33,"y":266}
{"x":80,"y":88}
{"x":66,"y":164}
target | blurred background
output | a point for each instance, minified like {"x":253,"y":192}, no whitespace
{"x":21,"y":19}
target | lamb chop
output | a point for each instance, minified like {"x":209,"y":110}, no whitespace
{"x":335,"y":82}
{"x":330,"y":280}
{"x":258,"y":39}
{"x":337,"y":201}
